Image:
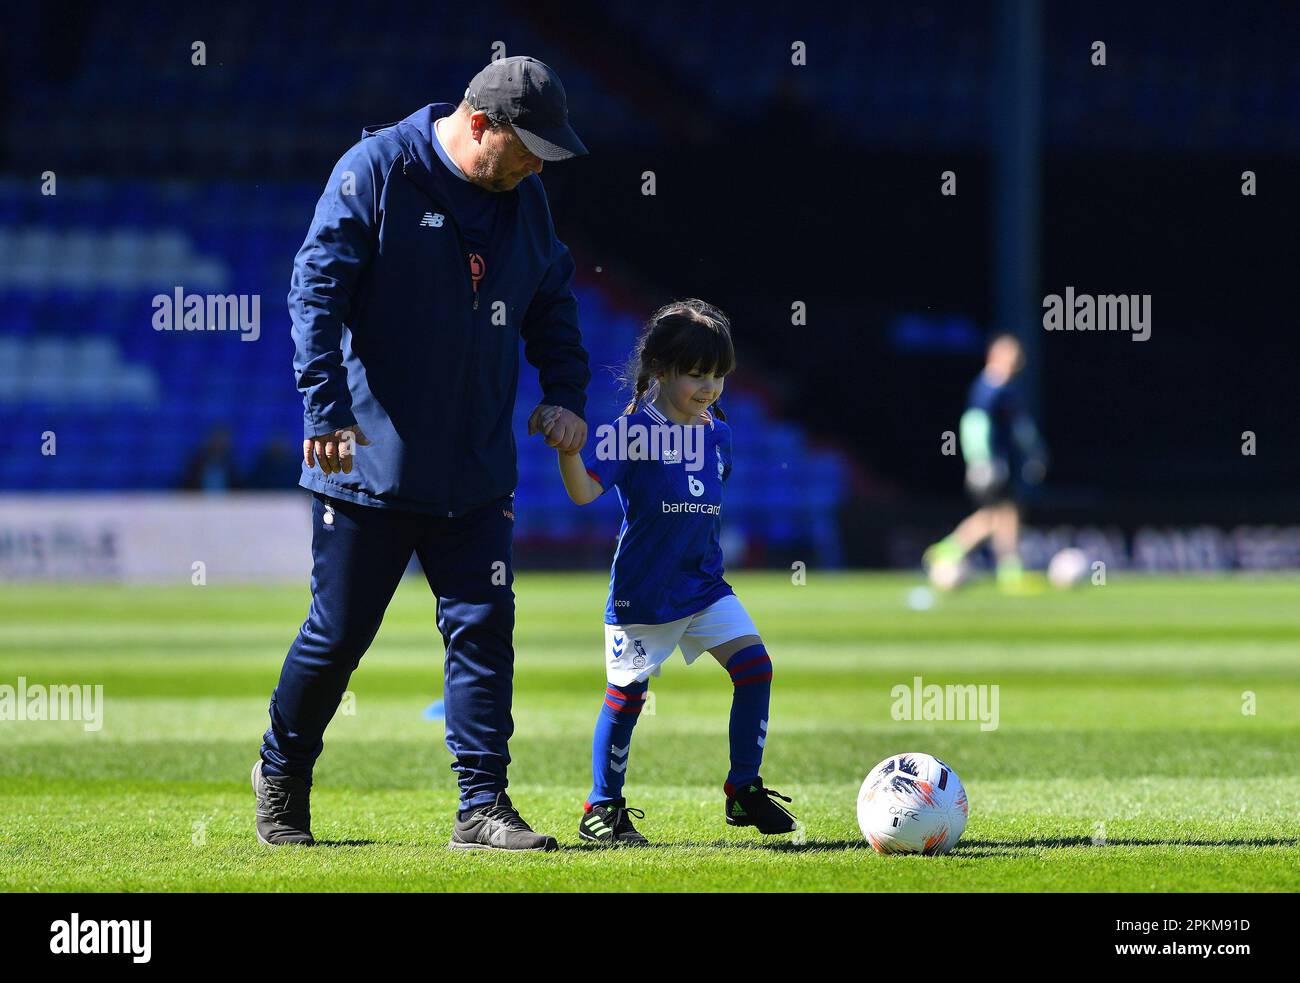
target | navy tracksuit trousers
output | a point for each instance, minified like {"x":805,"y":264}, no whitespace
{"x":359,"y":554}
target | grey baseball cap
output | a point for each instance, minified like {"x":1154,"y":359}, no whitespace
{"x":528,"y":95}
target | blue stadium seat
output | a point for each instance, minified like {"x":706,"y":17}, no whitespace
{"x":79,"y":355}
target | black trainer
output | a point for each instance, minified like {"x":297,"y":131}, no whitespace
{"x":610,"y":823}
{"x":283,"y":809}
{"x":498,"y":827}
{"x":754,"y":805}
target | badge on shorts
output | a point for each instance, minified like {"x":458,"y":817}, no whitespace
{"x":638,"y":660}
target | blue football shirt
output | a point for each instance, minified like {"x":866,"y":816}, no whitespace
{"x":668,"y":563}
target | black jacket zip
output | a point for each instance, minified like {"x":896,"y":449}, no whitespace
{"x":471,"y":347}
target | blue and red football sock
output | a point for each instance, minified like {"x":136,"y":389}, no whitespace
{"x":751,"y":678}
{"x":613,"y":740}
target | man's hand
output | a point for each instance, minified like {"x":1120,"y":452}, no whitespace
{"x":563,"y":429}
{"x":334,"y":450}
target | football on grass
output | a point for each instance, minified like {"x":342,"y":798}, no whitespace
{"x":1068,"y":568}
{"x":912,"y":803}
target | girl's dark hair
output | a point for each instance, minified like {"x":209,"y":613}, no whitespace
{"x":684,"y":336}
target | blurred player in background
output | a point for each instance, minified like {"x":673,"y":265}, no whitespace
{"x":667,"y":589}
{"x":1003,"y":455}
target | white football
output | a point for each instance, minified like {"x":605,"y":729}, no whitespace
{"x":912,"y":803}
{"x":947,"y":574}
{"x":1068,"y":568}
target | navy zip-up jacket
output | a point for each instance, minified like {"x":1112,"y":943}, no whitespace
{"x":390,"y":334}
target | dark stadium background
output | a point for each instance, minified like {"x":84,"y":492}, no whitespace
{"x":776,"y":183}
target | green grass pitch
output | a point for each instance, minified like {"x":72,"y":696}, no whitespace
{"x":1123,"y":759}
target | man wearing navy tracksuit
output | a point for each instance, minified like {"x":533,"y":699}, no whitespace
{"x":431,"y":253}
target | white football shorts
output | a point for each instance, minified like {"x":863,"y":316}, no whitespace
{"x":637,"y":652}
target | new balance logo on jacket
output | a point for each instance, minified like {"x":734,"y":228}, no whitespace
{"x":432,"y":220}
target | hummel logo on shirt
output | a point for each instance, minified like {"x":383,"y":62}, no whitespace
{"x":432,"y":220}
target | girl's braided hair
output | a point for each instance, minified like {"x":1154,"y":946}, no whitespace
{"x":685,"y":336}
